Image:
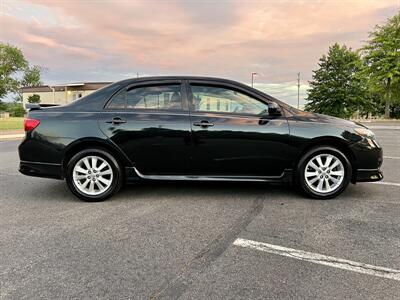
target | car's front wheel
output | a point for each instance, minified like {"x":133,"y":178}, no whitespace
{"x":323,"y":172}
{"x":93,"y":175}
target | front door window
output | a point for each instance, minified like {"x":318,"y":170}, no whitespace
{"x":223,"y":100}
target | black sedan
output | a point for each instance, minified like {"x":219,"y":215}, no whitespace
{"x":193,"y":128}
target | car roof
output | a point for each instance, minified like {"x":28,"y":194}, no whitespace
{"x":201,"y":78}
{"x":180,"y":77}
{"x":97,"y":97}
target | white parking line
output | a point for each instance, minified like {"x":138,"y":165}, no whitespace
{"x":386,"y":183}
{"x":321,"y":259}
{"x":391,"y":157}
{"x":389,"y":127}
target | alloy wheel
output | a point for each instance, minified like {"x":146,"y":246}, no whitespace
{"x":92,"y":175}
{"x":324,"y":173}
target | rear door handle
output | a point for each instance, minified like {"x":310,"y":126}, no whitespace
{"x":203,"y":124}
{"x":116,"y":121}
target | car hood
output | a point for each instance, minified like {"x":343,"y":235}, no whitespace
{"x":319,"y":118}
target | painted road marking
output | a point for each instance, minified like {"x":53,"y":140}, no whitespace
{"x":321,"y":259}
{"x":383,"y":127}
{"x":386,"y":183}
{"x":391,"y":157}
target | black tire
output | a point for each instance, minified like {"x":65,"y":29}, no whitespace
{"x":116,"y":181}
{"x":301,"y":182}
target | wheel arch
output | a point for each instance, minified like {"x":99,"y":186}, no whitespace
{"x":334,"y":142}
{"x":86,"y":143}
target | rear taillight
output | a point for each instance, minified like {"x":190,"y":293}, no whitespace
{"x":30,"y":124}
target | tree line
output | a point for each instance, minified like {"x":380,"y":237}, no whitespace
{"x":365,"y":81}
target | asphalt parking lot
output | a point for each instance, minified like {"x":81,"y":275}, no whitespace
{"x":188,"y":240}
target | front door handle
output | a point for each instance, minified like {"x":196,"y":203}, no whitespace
{"x":203,"y":124}
{"x":116,"y":121}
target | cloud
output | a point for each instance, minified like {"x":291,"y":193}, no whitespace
{"x":109,"y":40}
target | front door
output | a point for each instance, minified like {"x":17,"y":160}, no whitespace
{"x":233,"y":134}
{"x":150,"y":124}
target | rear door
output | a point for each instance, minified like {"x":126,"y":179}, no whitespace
{"x":150,"y":123}
{"x":233,"y":134}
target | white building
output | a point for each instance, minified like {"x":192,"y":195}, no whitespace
{"x":61,"y":94}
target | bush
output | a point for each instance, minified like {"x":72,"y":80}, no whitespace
{"x":16,"y":110}
{"x":34,"y":98}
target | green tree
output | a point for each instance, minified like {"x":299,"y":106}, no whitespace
{"x":35,"y":98}
{"x":12,"y":61}
{"x":15,"y":71}
{"x":382,"y":57}
{"x":31,"y":77}
{"x":3,"y":106}
{"x":337,"y":87}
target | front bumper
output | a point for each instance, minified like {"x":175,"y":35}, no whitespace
{"x":366,"y":175}
{"x":39,"y":169}
{"x":368,"y":160}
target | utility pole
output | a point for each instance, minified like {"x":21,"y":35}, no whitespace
{"x":137,"y":75}
{"x":252,"y":78}
{"x":298,"y":90}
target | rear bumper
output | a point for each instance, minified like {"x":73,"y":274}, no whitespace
{"x":365,"y":175}
{"x":39,"y":169}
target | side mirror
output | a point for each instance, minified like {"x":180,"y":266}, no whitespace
{"x":274,"y":109}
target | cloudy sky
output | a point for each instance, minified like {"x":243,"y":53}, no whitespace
{"x":100,"y":40}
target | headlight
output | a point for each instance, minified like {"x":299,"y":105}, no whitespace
{"x":364,"y":132}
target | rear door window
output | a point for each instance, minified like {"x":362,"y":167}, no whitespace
{"x":154,"y":97}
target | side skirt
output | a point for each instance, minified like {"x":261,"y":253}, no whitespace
{"x":285,"y":177}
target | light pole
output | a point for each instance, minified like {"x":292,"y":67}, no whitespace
{"x":252,"y":78}
{"x":298,"y":90}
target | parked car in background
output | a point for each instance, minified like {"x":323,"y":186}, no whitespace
{"x":193,"y":128}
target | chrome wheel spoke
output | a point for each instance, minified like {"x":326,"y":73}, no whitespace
{"x":105,"y":181}
{"x":320,"y":184}
{"x":106,"y":172}
{"x":335,"y":164}
{"x":335,"y":180}
{"x":313,"y":180}
{"x":86,"y":163}
{"x":328,"y":160}
{"x":319,"y":161}
{"x":102,"y":166}
{"x":85,"y":183}
{"x":94,"y":162}
{"x":327,"y":185}
{"x":99,"y":185}
{"x":311,"y":174}
{"x":337,"y":173}
{"x":314,"y":166}
{"x":91,"y":186}
{"x":80,"y":170}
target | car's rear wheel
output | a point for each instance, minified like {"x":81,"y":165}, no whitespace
{"x":323,"y":172}
{"x":93,"y":175}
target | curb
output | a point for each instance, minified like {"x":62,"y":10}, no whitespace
{"x":11,"y":136}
